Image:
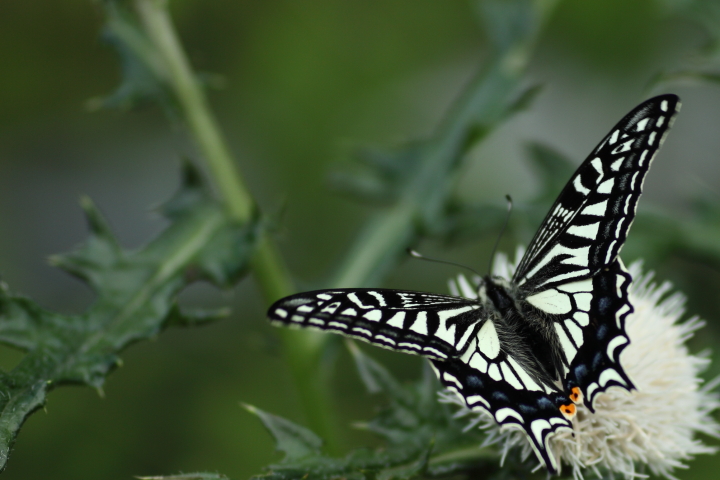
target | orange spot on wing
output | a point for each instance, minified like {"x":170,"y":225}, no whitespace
{"x":568,"y":410}
{"x":576,"y":395}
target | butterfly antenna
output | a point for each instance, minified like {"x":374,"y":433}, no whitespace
{"x":502,"y":231}
{"x":420,"y":256}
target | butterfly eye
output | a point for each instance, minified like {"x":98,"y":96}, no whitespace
{"x":568,"y":411}
{"x":576,"y":395}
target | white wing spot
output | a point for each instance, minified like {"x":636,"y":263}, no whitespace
{"x":510,"y":377}
{"x":449,"y":378}
{"x":281,"y":313}
{"x":397,"y":320}
{"x":362,"y":331}
{"x":606,"y":186}
{"x":618,"y":229}
{"x":420,"y":324}
{"x":597,"y":165}
{"x":575,"y":331}
{"x":305,"y":308}
{"x":585,"y":231}
{"x":331,"y":308}
{"x":582,"y":318}
{"x":615,"y":166}
{"x":664,"y":105}
{"x":614,"y":344}
{"x":610,"y":252}
{"x":526,"y":379}
{"x":380,"y":298}
{"x":551,"y":301}
{"x":660,"y":121}
{"x":473,"y":400}
{"x":502,"y":415}
{"x":597,"y":209}
{"x":608,"y":375}
{"x":565,"y":343}
{"x":642,"y":124}
{"x":614,"y":137}
{"x":479,"y":363}
{"x":582,"y":300}
{"x":349,"y":311}
{"x":324,"y":296}
{"x":488,"y":341}
{"x":374,"y":315}
{"x":577,"y":182}
{"x":354,"y":298}
{"x":494,"y":372}
{"x":651,"y":138}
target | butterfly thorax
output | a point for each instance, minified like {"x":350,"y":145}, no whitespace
{"x":523,"y":333}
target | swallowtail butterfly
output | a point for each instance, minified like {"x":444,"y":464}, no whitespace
{"x":525,"y":350}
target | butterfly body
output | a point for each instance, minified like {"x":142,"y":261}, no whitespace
{"x":526,"y":350}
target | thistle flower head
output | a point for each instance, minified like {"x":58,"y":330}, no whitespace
{"x":652,"y":428}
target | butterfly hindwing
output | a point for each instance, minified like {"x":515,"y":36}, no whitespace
{"x":596,"y":367}
{"x":588,"y":224}
{"x":535,"y":412}
{"x":436,"y":326}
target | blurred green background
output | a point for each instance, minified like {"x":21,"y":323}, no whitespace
{"x":301,"y":82}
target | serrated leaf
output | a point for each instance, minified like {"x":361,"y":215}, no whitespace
{"x":143,"y":71}
{"x":295,"y":441}
{"x":423,"y":437}
{"x":135,"y":299}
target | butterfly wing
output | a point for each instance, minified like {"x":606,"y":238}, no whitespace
{"x":510,"y":396}
{"x":588,"y":224}
{"x":571,"y":272}
{"x":435,"y":326}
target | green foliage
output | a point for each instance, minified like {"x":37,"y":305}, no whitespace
{"x":422,"y":436}
{"x":214,"y":240}
{"x":135,"y":299}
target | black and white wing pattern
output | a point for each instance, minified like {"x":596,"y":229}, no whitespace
{"x":587,"y":226}
{"x":527,"y":350}
{"x":435,"y":326}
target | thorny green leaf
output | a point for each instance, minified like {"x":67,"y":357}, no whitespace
{"x":143,"y":71}
{"x":135,"y":299}
{"x":145,"y":75}
{"x":294,"y":441}
{"x":423,"y":437}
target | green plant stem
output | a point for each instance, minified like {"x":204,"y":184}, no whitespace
{"x":158,"y":26}
{"x":302,"y":349}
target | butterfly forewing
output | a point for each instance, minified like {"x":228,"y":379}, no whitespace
{"x":436,"y":326}
{"x":588,"y":224}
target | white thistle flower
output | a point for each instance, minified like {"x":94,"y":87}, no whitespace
{"x":655,"y":425}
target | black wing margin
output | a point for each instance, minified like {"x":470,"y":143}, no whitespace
{"x":435,"y":326}
{"x":588,"y":224}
